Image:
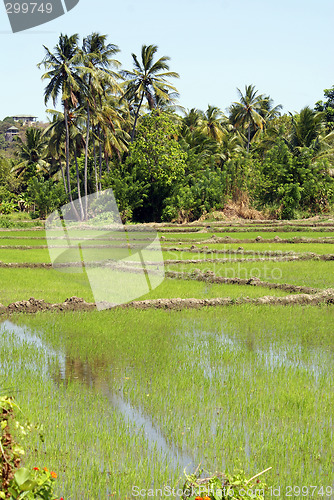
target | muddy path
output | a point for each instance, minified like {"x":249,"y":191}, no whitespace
{"x":33,"y":305}
{"x":210,"y":277}
{"x":227,"y":239}
{"x":209,"y":260}
{"x":326,"y":296}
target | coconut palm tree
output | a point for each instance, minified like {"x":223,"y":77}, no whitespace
{"x":65,"y":75}
{"x":192,"y":119}
{"x":55,"y":135}
{"x":309,"y":131}
{"x":212,"y":123}
{"x":148,"y":80}
{"x":31,"y":151}
{"x":247,"y":113}
{"x":97,"y":57}
{"x":231,"y":144}
{"x":56,"y":131}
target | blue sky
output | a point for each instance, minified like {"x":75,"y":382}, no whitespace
{"x":284,"y":48}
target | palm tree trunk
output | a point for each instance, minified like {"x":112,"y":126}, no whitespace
{"x":100,"y":159}
{"x":67,"y":148}
{"x":106,"y":159}
{"x":248,"y":138}
{"x":86,"y":161}
{"x":95,"y":169}
{"x":63,"y":176}
{"x":136,"y":118}
{"x":67,"y":151}
{"x":78,"y":186}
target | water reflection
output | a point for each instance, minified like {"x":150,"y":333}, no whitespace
{"x":98,"y":377}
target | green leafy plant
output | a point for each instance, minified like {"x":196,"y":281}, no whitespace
{"x":223,"y":486}
{"x":17,"y":483}
{"x":32,"y":484}
{"x":10,"y":452}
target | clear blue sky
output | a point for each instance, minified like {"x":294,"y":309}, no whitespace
{"x":282,"y":47}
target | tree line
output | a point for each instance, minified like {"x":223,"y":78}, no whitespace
{"x":125,"y":129}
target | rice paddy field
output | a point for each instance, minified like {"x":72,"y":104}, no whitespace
{"x":127,"y":398}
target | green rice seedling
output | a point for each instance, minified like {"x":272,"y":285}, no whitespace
{"x":94,"y":448}
{"x":319,"y":248}
{"x":220,"y":385}
{"x":48,"y":284}
{"x":173,"y":288}
{"x":55,"y":286}
{"x":248,"y":235}
{"x":317,"y":274}
{"x":37,"y":255}
{"x":21,"y":242}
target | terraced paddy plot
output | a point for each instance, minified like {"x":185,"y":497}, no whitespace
{"x":317,"y":274}
{"x":319,"y":248}
{"x":102,"y":254}
{"x":251,"y":235}
{"x":48,"y":284}
{"x":22,"y":233}
{"x":214,"y":386}
{"x":12,"y":242}
{"x":85,"y":451}
{"x":130,"y":397}
{"x":54,"y":286}
{"x":172,"y":288}
{"x":37,"y":255}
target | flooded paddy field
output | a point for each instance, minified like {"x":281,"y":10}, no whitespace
{"x":133,"y":397}
{"x":130,"y":397}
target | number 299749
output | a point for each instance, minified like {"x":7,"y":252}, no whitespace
{"x":28,"y":8}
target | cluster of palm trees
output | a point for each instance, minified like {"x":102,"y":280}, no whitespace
{"x":255,"y":123}
{"x":102,"y":104}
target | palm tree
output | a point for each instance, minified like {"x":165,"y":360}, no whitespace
{"x":56,"y":131}
{"x":55,"y":134}
{"x":192,"y":119}
{"x":97,"y":57}
{"x":247,"y":113}
{"x":66,"y":80}
{"x":212,"y":123}
{"x":231,"y":144}
{"x":32,"y":151}
{"x":149,"y":80}
{"x":309,"y":131}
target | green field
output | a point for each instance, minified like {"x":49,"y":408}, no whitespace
{"x":209,"y":386}
{"x":131,"y":397}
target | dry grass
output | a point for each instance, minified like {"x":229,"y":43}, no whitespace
{"x":235,"y":209}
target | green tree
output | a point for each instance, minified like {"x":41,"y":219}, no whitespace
{"x":212,"y":123}
{"x":157,"y":160}
{"x":247,"y":113}
{"x":46,"y":195}
{"x":31,"y":152}
{"x":98,"y":58}
{"x":148,"y":79}
{"x":327,"y":107}
{"x":309,"y":131}
{"x":66,"y":80}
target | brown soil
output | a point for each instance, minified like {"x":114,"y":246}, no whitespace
{"x":209,"y":276}
{"x":258,"y":239}
{"x":326,"y":296}
{"x":34,"y":305}
{"x":77,"y":304}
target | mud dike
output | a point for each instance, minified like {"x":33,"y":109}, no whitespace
{"x":33,"y":305}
